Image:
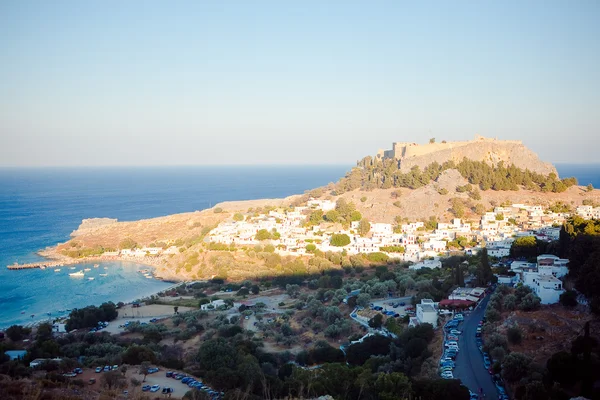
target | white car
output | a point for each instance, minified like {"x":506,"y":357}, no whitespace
{"x":447,"y":375}
{"x":450,"y":343}
{"x":455,"y":332}
{"x":452,"y":347}
{"x":154,"y":388}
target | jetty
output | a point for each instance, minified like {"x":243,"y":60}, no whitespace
{"x":41,"y":265}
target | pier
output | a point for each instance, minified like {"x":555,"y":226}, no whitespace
{"x":41,"y":265}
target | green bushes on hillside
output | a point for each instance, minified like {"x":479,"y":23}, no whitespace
{"x":371,"y":173}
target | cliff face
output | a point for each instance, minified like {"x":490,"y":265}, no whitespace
{"x":491,"y":151}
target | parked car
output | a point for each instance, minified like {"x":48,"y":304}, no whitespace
{"x":452,"y":337}
{"x":115,"y":367}
{"x":455,"y":332}
{"x":186,"y":379}
{"x":154,"y":388}
{"x":169,"y":374}
{"x":145,"y":388}
{"x":167,"y":390}
{"x":78,"y":371}
{"x":459,"y":317}
{"x":106,"y":368}
{"x":92,"y":381}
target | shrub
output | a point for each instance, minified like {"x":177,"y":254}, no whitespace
{"x":340,"y":240}
{"x":568,"y":298}
{"x":218,"y":210}
{"x":514,"y":335}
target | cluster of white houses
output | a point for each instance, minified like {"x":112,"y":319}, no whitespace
{"x":497,"y":229}
{"x":543,"y":276}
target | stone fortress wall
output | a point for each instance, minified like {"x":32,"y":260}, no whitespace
{"x":489,"y":150}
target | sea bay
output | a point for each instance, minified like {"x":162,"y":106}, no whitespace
{"x":41,"y":207}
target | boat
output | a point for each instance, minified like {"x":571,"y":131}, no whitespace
{"x":91,"y":278}
{"x":96,"y":265}
{"x":105,"y":267}
{"x":72,"y":268}
{"x":42,"y":267}
{"x":57,"y":270}
{"x":103,"y":274}
{"x":87,"y":269}
{"x":77,"y":274}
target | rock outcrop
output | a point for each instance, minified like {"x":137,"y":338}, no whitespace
{"x":489,"y":150}
{"x":92,"y":224}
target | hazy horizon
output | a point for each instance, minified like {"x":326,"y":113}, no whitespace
{"x":270,"y":83}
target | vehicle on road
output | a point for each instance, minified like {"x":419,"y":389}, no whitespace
{"x":452,"y":337}
{"x":106,"y":368}
{"x":167,"y":390}
{"x":154,"y":388}
{"x":98,"y":369}
{"x":459,"y":317}
{"x":78,"y":371}
{"x":145,"y":388}
{"x":455,"y":332}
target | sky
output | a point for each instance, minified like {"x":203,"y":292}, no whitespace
{"x":93,"y":83}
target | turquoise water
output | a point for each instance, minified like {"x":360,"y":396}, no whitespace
{"x":41,"y":207}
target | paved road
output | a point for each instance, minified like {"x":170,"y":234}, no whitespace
{"x":469,"y":363}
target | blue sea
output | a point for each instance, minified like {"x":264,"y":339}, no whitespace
{"x":41,"y":207}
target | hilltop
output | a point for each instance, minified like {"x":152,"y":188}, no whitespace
{"x":491,"y":151}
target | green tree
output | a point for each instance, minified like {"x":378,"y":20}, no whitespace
{"x":589,"y":187}
{"x":143,"y":370}
{"x":263,"y":234}
{"x":332,"y":216}
{"x":128,"y":243}
{"x":340,"y":240}
{"x":515,"y":366}
{"x":238,"y":217}
{"x":432,"y":140}
{"x":112,"y":379}
{"x":376,"y":321}
{"x":364,"y":227}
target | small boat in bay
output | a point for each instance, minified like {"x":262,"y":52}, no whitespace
{"x":103,"y":274}
{"x":71,"y":267}
{"x":105,"y":267}
{"x":57,"y":270}
{"x":91,"y":278}
{"x":87,"y":269}
{"x":78,"y":274}
{"x":96,"y":265}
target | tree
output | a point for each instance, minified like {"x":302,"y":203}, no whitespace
{"x":432,"y":140}
{"x":263,"y":234}
{"x":589,"y":187}
{"x":238,"y":217}
{"x":112,"y":379}
{"x":568,"y":298}
{"x":376,"y":321}
{"x":17,"y":332}
{"x":175,"y":309}
{"x":332,"y":216}
{"x":392,"y":386}
{"x":530,"y":302}
{"x":255,"y":289}
{"x":364,"y":227}
{"x":515,"y":366}
{"x":143,"y":370}
{"x":363,"y":300}
{"x":340,"y":240}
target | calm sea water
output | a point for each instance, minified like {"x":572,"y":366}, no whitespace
{"x":41,"y":207}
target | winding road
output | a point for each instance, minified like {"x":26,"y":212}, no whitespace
{"x":469,"y":363}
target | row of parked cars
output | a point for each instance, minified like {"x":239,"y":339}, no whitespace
{"x":195,"y":384}
{"x":451,"y":349}
{"x":107,"y":368}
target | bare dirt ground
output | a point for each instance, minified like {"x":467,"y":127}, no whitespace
{"x":548,"y":330}
{"x":142,"y":314}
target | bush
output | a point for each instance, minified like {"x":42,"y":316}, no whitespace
{"x":514,"y":335}
{"x":568,"y":298}
{"x":218,"y":210}
{"x":340,"y":240}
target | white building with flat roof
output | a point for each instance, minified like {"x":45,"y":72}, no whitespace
{"x":426,"y":312}
{"x":547,"y":287}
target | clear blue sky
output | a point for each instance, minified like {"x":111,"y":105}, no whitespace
{"x":306,"y":82}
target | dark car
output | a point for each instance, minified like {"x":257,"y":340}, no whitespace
{"x":169,"y":374}
{"x":145,"y":388}
{"x":186,"y":379}
{"x":78,"y":371}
